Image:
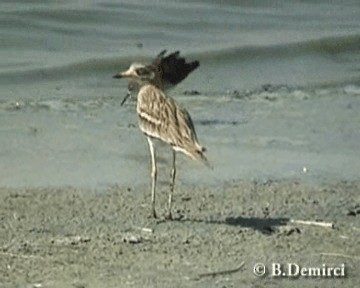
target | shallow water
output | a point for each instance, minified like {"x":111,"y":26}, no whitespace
{"x":279,"y":86}
{"x":250,"y":44}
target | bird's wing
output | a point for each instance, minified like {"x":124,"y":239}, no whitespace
{"x":160,"y":117}
{"x":172,"y":68}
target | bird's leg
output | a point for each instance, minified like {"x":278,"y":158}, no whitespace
{"x":153,"y":176}
{"x":172,"y":184}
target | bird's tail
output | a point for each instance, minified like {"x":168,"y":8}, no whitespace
{"x":199,"y":155}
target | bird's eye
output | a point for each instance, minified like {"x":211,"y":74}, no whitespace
{"x":141,"y":71}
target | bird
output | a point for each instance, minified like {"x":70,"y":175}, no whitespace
{"x":169,"y":71}
{"x":161,"y":117}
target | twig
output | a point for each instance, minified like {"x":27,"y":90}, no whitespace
{"x":144,"y":229}
{"x":313,"y":223}
{"x":71,"y":240}
{"x":222,"y":272}
{"x":340,"y":255}
{"x":20,"y":255}
{"x":148,"y":230}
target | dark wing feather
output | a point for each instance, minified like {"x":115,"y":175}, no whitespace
{"x":173,"y":68}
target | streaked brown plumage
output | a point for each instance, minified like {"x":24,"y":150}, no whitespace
{"x":160,"y":117}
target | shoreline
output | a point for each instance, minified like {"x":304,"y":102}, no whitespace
{"x":276,"y":133}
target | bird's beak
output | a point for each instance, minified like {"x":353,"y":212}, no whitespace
{"x":128,"y":94}
{"x":127,"y":74}
{"x":117,"y":76}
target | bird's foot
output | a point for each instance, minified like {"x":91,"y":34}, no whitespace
{"x":168,"y":216}
{"x":153,"y":215}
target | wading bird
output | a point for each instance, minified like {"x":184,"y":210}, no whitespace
{"x":160,"y":117}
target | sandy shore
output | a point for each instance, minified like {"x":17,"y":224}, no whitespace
{"x":67,"y":237}
{"x":276,"y":96}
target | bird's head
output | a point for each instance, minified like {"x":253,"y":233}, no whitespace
{"x":137,"y":72}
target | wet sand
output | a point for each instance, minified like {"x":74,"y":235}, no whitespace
{"x":72,"y":237}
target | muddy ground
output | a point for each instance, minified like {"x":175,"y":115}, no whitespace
{"x":67,"y":237}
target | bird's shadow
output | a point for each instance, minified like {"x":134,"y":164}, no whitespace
{"x":266,"y":226}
